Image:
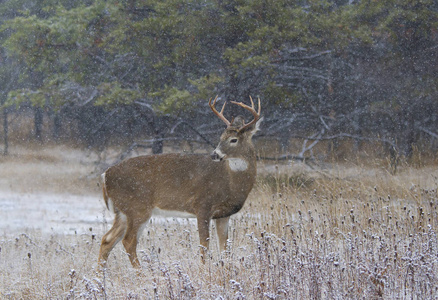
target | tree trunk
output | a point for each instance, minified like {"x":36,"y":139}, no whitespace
{"x":157,"y":144}
{"x":408,"y":133}
{"x":357,"y":131}
{"x":158,"y":126}
{"x":56,"y":126}
{"x":38,"y":122}
{"x":5,"y":132}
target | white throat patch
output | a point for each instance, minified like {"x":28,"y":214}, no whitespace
{"x":237,"y":164}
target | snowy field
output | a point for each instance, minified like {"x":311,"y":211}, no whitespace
{"x":333,"y":232}
{"x":57,"y":214}
{"x":50,"y":213}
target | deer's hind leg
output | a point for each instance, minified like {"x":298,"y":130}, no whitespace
{"x":134,"y":228}
{"x":112,"y":237}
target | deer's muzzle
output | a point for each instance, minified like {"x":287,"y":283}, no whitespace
{"x":217,"y":155}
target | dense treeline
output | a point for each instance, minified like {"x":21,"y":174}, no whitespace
{"x":334,"y":69}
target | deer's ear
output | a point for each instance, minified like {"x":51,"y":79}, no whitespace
{"x":254,"y":128}
{"x":257,"y":125}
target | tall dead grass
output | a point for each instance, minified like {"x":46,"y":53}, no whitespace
{"x":49,"y":169}
{"x":338,"y":231}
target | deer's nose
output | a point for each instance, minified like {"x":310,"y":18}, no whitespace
{"x":217,"y":155}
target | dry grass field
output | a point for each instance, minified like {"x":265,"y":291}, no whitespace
{"x":333,"y":231}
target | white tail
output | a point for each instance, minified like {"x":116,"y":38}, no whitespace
{"x":205,"y":187}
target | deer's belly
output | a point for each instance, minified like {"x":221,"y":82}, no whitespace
{"x":171,"y":213}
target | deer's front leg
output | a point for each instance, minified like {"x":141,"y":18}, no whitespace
{"x":204,"y":235}
{"x":222,"y":232}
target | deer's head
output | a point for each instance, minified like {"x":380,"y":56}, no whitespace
{"x":235,"y":141}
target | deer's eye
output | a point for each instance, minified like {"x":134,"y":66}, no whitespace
{"x":233,"y":141}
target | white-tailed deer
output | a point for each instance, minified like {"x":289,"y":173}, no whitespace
{"x":201,"y":186}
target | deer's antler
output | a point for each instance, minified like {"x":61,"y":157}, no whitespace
{"x":251,"y":109}
{"x":221,"y":113}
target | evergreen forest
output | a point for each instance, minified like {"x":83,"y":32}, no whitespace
{"x":103,"y":72}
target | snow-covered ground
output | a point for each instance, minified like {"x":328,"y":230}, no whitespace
{"x":51,"y":213}
{"x":60,"y":214}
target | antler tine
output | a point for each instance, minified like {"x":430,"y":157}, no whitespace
{"x":251,"y":108}
{"x":221,"y":113}
{"x":252,"y":102}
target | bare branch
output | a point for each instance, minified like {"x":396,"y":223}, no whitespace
{"x":428,"y":132}
{"x":202,"y":136}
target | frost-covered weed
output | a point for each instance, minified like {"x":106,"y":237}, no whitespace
{"x":369,"y":237}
